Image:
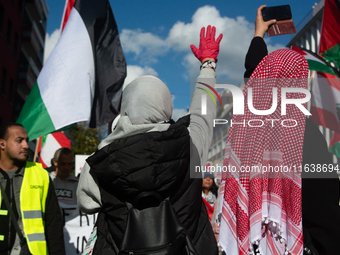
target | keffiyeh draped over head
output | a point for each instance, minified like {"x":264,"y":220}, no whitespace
{"x":262,"y":194}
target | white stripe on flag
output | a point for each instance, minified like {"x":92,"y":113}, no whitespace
{"x":325,"y":96}
{"x":48,"y":150}
{"x":69,"y":75}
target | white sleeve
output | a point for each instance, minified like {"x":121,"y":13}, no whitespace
{"x":88,"y":193}
{"x":201,"y":126}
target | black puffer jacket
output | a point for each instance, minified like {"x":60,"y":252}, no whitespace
{"x":154,"y":161}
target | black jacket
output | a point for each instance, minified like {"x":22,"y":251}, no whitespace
{"x":53,"y":219}
{"x":154,"y":161}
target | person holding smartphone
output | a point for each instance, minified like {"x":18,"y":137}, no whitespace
{"x":316,"y":199}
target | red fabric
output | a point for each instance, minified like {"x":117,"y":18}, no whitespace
{"x":67,"y":11}
{"x":62,"y":141}
{"x":260,"y":207}
{"x":210,"y":209}
{"x":39,"y":150}
{"x":330,"y":31}
{"x":334,"y":139}
{"x":208,"y":48}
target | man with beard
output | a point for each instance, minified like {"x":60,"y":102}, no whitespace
{"x":30,"y":218}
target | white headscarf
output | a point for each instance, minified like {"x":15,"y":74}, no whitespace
{"x":146,"y":102}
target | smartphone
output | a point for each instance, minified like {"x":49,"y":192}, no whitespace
{"x":284,"y":22}
{"x":281,"y":12}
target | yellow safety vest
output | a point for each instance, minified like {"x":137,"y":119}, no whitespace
{"x":33,"y":194}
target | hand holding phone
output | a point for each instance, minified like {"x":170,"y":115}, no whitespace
{"x":262,"y":26}
{"x":283,"y":16}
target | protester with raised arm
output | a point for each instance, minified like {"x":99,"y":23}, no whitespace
{"x":147,"y":151}
{"x":287,"y":213}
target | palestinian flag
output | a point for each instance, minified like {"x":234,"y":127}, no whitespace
{"x":315,"y":62}
{"x":334,"y":145}
{"x":325,"y":90}
{"x":82,"y":78}
{"x":330,"y":32}
{"x":48,"y":144}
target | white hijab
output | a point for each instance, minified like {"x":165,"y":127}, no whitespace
{"x":146,"y":104}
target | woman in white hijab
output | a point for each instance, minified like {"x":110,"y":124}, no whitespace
{"x":148,"y":152}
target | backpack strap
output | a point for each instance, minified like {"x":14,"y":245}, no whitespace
{"x":146,"y":199}
{"x":12,"y":215}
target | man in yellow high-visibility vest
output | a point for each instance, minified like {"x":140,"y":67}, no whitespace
{"x":31,"y":196}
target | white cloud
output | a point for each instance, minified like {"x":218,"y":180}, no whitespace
{"x":237,"y":34}
{"x":50,"y":42}
{"x":182,"y":35}
{"x":145,"y":46}
{"x":272,"y":48}
{"x":134,"y":72}
{"x":178,"y":113}
{"x":173,"y":97}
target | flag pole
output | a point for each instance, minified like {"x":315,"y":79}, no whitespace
{"x":36,"y":149}
{"x":308,"y":87}
{"x":310,"y":79}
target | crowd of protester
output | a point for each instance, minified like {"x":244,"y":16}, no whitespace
{"x":146,"y":162}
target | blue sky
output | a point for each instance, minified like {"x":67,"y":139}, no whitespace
{"x":156,"y":35}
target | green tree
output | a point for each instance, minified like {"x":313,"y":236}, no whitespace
{"x":84,"y":139}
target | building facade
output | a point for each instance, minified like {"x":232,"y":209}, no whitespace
{"x":11,"y":13}
{"x":220,"y":134}
{"x":22,"y":39}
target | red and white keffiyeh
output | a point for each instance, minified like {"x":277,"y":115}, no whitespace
{"x":262,"y":207}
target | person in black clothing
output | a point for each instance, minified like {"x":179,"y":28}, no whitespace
{"x":320,"y":196}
